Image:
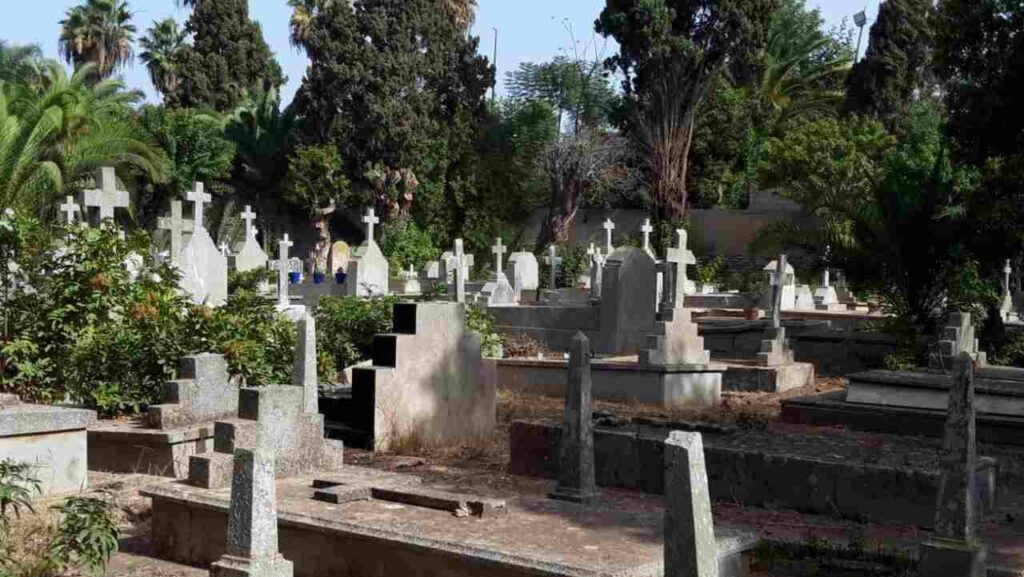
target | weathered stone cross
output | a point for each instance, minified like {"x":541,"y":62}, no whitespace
{"x":249,"y":217}
{"x":460,"y":272}
{"x":498,"y":249}
{"x":176,"y":225}
{"x":1006,"y":276}
{"x":224,"y":249}
{"x":282,"y":270}
{"x":370,"y":219}
{"x":647,"y":229}
{"x":780,"y":281}
{"x":70,"y":210}
{"x":107,"y":197}
{"x":199,"y":199}
{"x":609,"y":226}
{"x":681,"y":257}
{"x":554,"y":262}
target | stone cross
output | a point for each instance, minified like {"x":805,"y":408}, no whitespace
{"x":199,"y":199}
{"x":825,"y":278}
{"x":1006,"y":277}
{"x":460,"y":272}
{"x":679,"y":257}
{"x":591,"y":252}
{"x":609,"y":226}
{"x":107,"y":197}
{"x":176,"y":225}
{"x":370,"y":219}
{"x":248,"y":216}
{"x":690,"y":545}
{"x":647,"y":229}
{"x":576,"y":459}
{"x":252,"y":546}
{"x":70,"y":210}
{"x":282,"y":270}
{"x":224,"y":249}
{"x":553,"y":261}
{"x":305,"y":371}
{"x":780,"y":281}
{"x":498,"y":249}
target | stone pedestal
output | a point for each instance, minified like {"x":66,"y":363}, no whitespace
{"x":775,"y":349}
{"x":951,"y":558}
{"x":52,"y":439}
{"x":690,"y":547}
{"x":576,"y":461}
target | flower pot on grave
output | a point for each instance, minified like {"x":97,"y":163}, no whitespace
{"x":318,"y":277}
{"x":295,"y":277}
{"x":340,"y":276}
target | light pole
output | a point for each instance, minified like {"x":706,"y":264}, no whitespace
{"x":494,"y":87}
{"x":860,"y":19}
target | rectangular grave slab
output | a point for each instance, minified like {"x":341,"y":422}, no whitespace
{"x":930,"y":390}
{"x":51,"y":439}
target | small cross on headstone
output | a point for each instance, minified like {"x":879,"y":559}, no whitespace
{"x":176,"y":225}
{"x":199,"y":200}
{"x":370,"y":219}
{"x":107,"y":197}
{"x":70,"y":209}
{"x":647,"y":229}
{"x":249,"y":217}
{"x":498,"y":249}
{"x":282,"y":270}
{"x":609,"y":226}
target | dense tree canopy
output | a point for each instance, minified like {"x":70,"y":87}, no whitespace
{"x":227,"y":58}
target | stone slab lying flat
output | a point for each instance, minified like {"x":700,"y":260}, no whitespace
{"x":49,"y":438}
{"x":620,"y":537}
{"x":831,"y":410}
{"x":132,"y":447}
{"x":747,"y":376}
{"x":930,"y":390}
{"x":822,"y":472}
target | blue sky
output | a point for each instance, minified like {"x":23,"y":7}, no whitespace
{"x":528,"y":30}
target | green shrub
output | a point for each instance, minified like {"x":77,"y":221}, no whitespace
{"x":404,"y":244}
{"x":709,"y":272}
{"x":479,"y":321}
{"x":86,"y":535}
{"x":249,"y":280}
{"x":17,"y":488}
{"x":346,"y":326}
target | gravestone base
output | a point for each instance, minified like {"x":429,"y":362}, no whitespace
{"x":574,"y":495}
{"x":951,"y":558}
{"x":747,"y":376}
{"x":231,"y":566}
{"x":119,"y":447}
{"x":51,"y":439}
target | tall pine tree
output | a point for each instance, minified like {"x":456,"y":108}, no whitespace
{"x":883,"y":83}
{"x":228,"y":57}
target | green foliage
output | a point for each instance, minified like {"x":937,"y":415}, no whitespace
{"x":90,"y":331}
{"x":17,"y":488}
{"x":346,"y":326}
{"x":578,"y":89}
{"x":227,"y":58}
{"x":20,"y":63}
{"x":249,"y":280}
{"x":884,"y":82}
{"x":404,"y":244}
{"x":161,"y":45}
{"x":87,"y":534}
{"x":478,"y":320}
{"x":575,"y":262}
{"x":709,"y":272}
{"x":98,"y":32}
{"x":316,"y":180}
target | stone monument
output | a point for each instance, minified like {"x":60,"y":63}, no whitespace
{"x":204,"y":270}
{"x":499,"y":291}
{"x":368,"y":273}
{"x":690,"y":546}
{"x":251,"y":255}
{"x":576,"y":461}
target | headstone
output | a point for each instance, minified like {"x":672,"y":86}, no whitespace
{"x":675,"y":340}
{"x":252,"y":547}
{"x":177,"y":226}
{"x":775,"y":349}
{"x":432,"y":270}
{"x":70,"y":209}
{"x":596,"y":273}
{"x":1006,"y":301}
{"x":251,"y":256}
{"x":203,"y":392}
{"x":461,"y":274}
{"x":690,"y":546}
{"x":204,"y":270}
{"x":523,"y":271}
{"x":305,"y":372}
{"x":576,"y":460}
{"x":627,"y":297}
{"x":554,"y":262}
{"x":107,"y":197}
{"x":646,"y":229}
{"x":608,"y":226}
{"x":825,"y":298}
{"x":410,"y":282}
{"x":681,"y":257}
{"x":804,"y":298}
{"x":786,"y":297}
{"x":954,"y":548}
{"x":957,"y":337}
{"x":282,"y":271}
{"x":499,"y":291}
{"x":368,"y":272}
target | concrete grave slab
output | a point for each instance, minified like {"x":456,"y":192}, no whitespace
{"x":51,"y":439}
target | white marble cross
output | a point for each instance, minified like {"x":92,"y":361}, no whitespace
{"x":177,"y":226}
{"x":224,"y":249}
{"x":107,"y":197}
{"x":282,"y":270}
{"x":591,"y":252}
{"x":410,"y":274}
{"x":554,"y":261}
{"x":681,"y":257}
{"x":498,"y":249}
{"x":370,"y":219}
{"x":249,"y":217}
{"x":647,"y":229}
{"x":199,"y":200}
{"x":70,"y":209}
{"x":1006,"y":275}
{"x":460,"y":272}
{"x":609,"y":226}
{"x":825,"y":278}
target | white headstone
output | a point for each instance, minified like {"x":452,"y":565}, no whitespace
{"x":176,"y":226}
{"x":70,"y":209}
{"x":460,"y":272}
{"x":804,"y":298}
{"x":554,"y":262}
{"x":523,"y":271}
{"x":251,"y":256}
{"x":204,"y":270}
{"x":368,"y":272}
{"x":647,"y":229}
{"x":107,"y":197}
{"x":199,"y":200}
{"x":608,"y":226}
{"x":681,"y":257}
{"x":282,"y":271}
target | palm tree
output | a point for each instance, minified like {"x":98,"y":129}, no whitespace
{"x":98,"y":32}
{"x":19,"y":63}
{"x":53,"y":137}
{"x":303,"y":12}
{"x":161,"y":44}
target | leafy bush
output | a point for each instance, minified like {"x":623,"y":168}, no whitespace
{"x":479,"y":321}
{"x":710,"y":271}
{"x":404,"y":243}
{"x":87,"y":534}
{"x":346,"y":326}
{"x":575,"y":262}
{"x":17,"y":488}
{"x":249,"y":280}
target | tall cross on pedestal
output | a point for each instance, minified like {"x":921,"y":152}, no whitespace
{"x":647,"y":229}
{"x":107,"y":197}
{"x":498,"y":249}
{"x":777,"y":286}
{"x":176,"y":225}
{"x":199,"y":200}
{"x":1006,"y":277}
{"x":680,"y":257}
{"x":282,"y":270}
{"x":248,"y":216}
{"x":609,"y":226}
{"x":553,"y":262}
{"x":370,"y":219}
{"x":70,"y":209}
{"x":460,"y":272}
